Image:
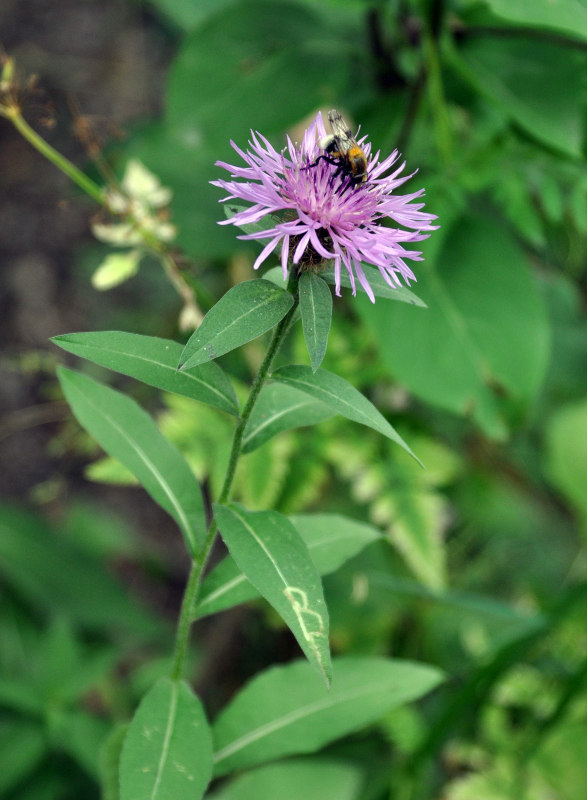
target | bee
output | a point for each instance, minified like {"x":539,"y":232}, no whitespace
{"x":342,"y":151}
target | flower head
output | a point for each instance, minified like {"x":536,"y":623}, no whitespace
{"x":320,"y":215}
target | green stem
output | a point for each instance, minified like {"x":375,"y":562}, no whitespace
{"x":87,"y":185}
{"x":193,"y":584}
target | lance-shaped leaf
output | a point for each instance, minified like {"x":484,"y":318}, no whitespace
{"x":280,"y":408}
{"x":286,"y":710}
{"x":377,"y":283}
{"x":167,"y":752}
{"x":341,"y":396}
{"x":268,"y":221}
{"x":243,"y":313}
{"x":331,"y":539}
{"x":128,"y":433}
{"x":153,"y":361}
{"x":275,"y":559}
{"x":316,"y":311}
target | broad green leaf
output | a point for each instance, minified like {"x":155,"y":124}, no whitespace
{"x":566,"y":457}
{"x":287,"y":710}
{"x":279,"y":408}
{"x":243,"y":313}
{"x":524,"y":78}
{"x":486,"y":329}
{"x":276,"y":43}
{"x":307,"y":778}
{"x":153,"y":361}
{"x":57,"y":577}
{"x":275,"y":559}
{"x":331,"y":540}
{"x":567,"y":16}
{"x":128,"y":433}
{"x":316,"y":311}
{"x":341,"y":396}
{"x":167,"y":752}
{"x":377,"y":283}
{"x":188,"y":15}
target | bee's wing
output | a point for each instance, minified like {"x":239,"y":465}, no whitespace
{"x":340,"y":130}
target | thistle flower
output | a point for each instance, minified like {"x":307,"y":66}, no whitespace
{"x":321,"y":219}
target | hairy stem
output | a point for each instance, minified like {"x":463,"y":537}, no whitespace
{"x":199,"y":562}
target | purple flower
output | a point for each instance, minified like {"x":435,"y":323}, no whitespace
{"x":320,"y":219}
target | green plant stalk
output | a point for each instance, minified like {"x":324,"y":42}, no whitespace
{"x":86,"y":184}
{"x":199,"y":561}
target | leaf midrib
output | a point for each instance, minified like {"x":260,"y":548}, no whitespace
{"x":155,"y":363}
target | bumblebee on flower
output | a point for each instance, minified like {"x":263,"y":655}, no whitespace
{"x":326,"y":211}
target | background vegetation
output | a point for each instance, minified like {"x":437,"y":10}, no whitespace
{"x":485,"y":576}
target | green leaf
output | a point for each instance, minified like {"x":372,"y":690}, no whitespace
{"x":486,"y":327}
{"x":188,"y":15}
{"x":566,"y":458}
{"x":331,"y":540}
{"x":127,"y":433}
{"x":261,"y":46}
{"x":279,"y":408}
{"x":377,"y":283}
{"x":524,"y":78}
{"x":275,"y":559}
{"x":167,"y":752}
{"x":567,"y":16}
{"x":316,"y":311}
{"x":286,"y":710}
{"x":261,"y":475}
{"x":310,"y":778}
{"x":341,"y":396}
{"x":243,"y":313}
{"x":276,"y":41}
{"x":268,"y":221}
{"x":153,"y":361}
